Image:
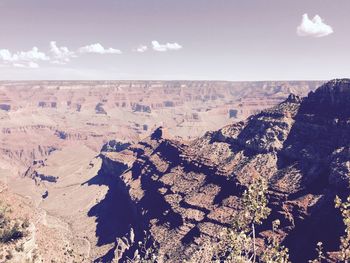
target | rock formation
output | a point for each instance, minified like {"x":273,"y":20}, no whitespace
{"x":173,"y":186}
{"x":38,"y":117}
{"x":181,"y":193}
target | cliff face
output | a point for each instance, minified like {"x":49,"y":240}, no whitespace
{"x":183,"y":192}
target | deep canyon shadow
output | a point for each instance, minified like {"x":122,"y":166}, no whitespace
{"x":115,"y":216}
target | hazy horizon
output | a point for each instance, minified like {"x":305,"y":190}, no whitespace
{"x":165,"y":80}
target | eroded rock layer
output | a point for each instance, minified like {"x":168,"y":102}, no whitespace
{"x":39,"y":117}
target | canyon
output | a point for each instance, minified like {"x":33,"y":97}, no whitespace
{"x":107,"y":164}
{"x":37,"y":118}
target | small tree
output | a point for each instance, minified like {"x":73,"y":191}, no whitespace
{"x":344,"y":207}
{"x":274,"y":252}
{"x":255,"y":207}
{"x":240,"y":244}
{"x":147,"y":252}
{"x":320,"y":255}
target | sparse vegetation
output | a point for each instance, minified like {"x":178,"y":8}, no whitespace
{"x":207,"y":251}
{"x":9,"y":255}
{"x":10,"y":233}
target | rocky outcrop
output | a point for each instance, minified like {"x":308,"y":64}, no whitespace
{"x":5,"y":107}
{"x":99,"y":109}
{"x":141,"y":108}
{"x":114,"y":146}
{"x":188,"y":191}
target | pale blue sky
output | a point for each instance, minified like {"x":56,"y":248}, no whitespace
{"x":221,"y":39}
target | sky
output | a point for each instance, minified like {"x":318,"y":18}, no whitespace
{"x":238,"y":40}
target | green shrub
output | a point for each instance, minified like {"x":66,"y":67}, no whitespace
{"x":9,"y":229}
{"x":10,"y":234}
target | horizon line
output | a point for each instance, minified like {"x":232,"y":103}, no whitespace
{"x":163,"y":80}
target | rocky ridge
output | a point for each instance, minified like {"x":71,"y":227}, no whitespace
{"x":188,"y":191}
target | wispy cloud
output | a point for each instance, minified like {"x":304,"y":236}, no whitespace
{"x":313,"y":27}
{"x":141,"y":49}
{"x":29,"y":64}
{"x":165,"y":47}
{"x":98,"y":49}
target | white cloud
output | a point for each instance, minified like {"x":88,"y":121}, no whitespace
{"x":60,"y":55}
{"x":165,"y":47}
{"x":99,"y":49}
{"x":141,"y":49}
{"x":24,"y":59}
{"x":313,"y":28}
{"x":5,"y":55}
{"x":32,"y":55}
